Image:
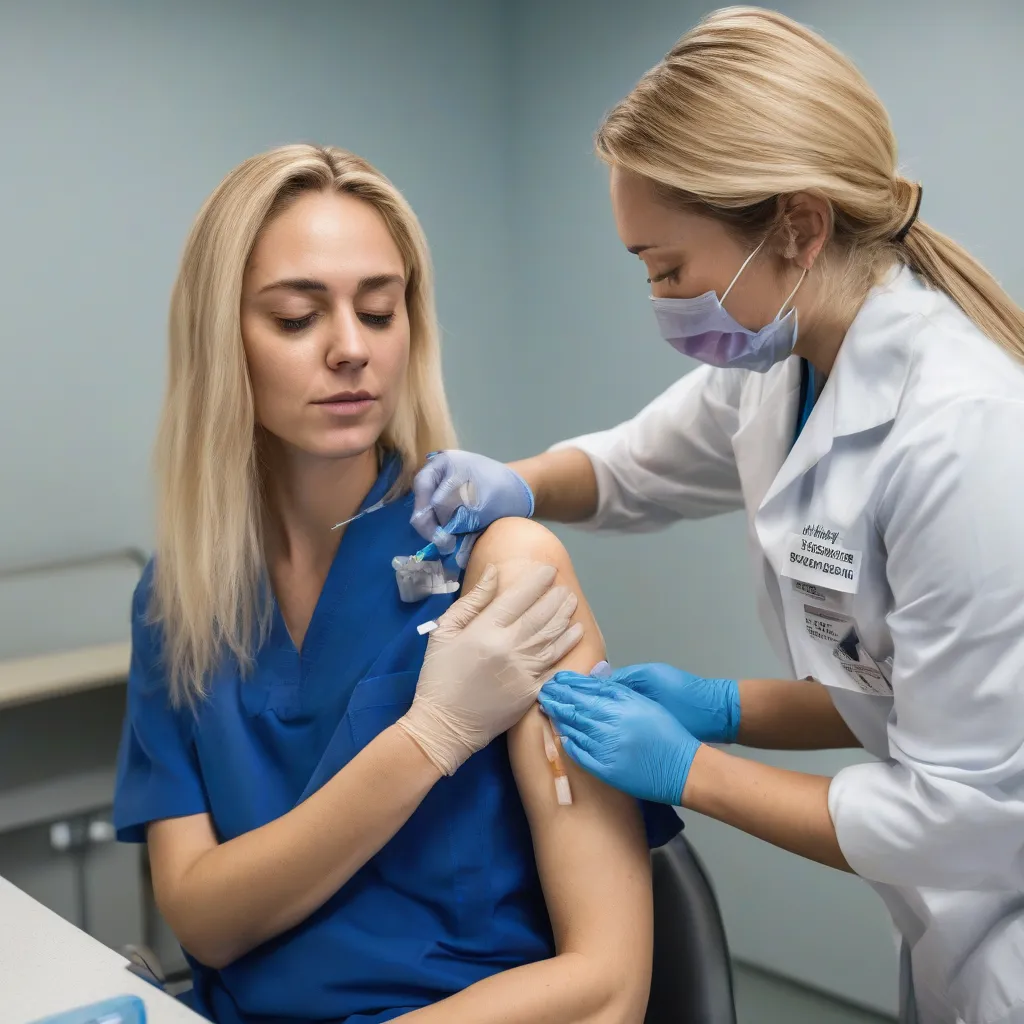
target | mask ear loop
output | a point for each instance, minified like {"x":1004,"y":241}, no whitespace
{"x":789,"y":299}
{"x":742,"y":268}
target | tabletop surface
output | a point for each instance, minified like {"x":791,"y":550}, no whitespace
{"x":48,"y":965}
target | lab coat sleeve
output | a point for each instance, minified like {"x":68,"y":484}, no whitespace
{"x":157,"y":772}
{"x":673,"y":460}
{"x":947,"y":809}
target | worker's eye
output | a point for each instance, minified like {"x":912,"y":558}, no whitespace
{"x":292,"y":325}
{"x":672,"y":276}
{"x":377,"y":320}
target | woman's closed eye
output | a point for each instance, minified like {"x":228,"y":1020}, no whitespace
{"x":293,"y":325}
{"x":377,"y":320}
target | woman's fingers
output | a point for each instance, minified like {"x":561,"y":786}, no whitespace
{"x":515,"y":601}
{"x":560,"y":647}
{"x":470,"y":605}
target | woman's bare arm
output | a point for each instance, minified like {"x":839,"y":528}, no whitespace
{"x":224,"y":899}
{"x":592,"y":857}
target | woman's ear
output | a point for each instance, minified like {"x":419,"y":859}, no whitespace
{"x":806,"y":225}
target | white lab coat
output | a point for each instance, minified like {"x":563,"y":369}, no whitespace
{"x":897,"y":517}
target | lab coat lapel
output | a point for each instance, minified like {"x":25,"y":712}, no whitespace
{"x":813,"y":444}
{"x":865,"y":387}
{"x":762,"y":441}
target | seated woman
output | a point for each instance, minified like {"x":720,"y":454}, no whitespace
{"x":315,"y":857}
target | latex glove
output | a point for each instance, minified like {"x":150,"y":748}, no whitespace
{"x":460,"y":493}
{"x":708,"y":708}
{"x":625,"y":739}
{"x":486,"y":661}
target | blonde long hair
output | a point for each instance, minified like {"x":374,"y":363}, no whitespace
{"x":750,"y":106}
{"x":210,"y":595}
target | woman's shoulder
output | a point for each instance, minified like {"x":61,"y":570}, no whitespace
{"x":514,"y":539}
{"x":144,"y":588}
{"x":513,"y":542}
{"x":145,"y":674}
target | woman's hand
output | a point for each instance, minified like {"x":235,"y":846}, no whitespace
{"x":459,"y":493}
{"x":485,"y":663}
{"x":624,"y":738}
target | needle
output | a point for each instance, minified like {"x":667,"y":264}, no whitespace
{"x":366,"y":511}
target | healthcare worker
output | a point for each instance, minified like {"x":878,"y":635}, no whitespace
{"x":863,"y":401}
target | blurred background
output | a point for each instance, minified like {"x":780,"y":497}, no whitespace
{"x":118,"y":117}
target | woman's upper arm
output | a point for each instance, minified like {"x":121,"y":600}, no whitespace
{"x":592,"y":855}
{"x":159,"y":796}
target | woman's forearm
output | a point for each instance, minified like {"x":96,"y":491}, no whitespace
{"x":233,"y":896}
{"x":567,"y":989}
{"x":790,"y":714}
{"x":563,"y":483}
{"x":787,"y":809}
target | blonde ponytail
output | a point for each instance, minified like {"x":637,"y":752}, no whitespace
{"x":948,"y":266}
{"x":750,"y":106}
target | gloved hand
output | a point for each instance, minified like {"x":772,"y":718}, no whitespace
{"x":622,"y":737}
{"x":461,"y":493}
{"x":486,"y":660}
{"x":708,"y":708}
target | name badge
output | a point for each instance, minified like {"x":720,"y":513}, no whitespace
{"x":816,"y":556}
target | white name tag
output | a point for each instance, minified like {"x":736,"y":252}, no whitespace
{"x":815,"y":556}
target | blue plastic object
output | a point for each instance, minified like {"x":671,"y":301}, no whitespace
{"x":119,"y":1010}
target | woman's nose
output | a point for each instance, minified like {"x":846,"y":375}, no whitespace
{"x":347,"y":341}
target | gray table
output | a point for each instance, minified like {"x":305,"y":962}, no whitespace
{"x":47,"y":965}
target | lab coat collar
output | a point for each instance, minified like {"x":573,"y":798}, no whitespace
{"x":870,"y":371}
{"x":867,"y":381}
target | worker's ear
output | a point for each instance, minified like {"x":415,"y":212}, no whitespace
{"x":805,"y":226}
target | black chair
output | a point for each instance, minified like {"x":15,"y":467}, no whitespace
{"x":691,"y":981}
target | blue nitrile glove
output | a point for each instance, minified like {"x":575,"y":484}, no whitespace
{"x":708,"y":708}
{"x":462,"y":493}
{"x":622,"y":737}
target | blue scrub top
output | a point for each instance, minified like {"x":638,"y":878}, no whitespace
{"x":454,"y":896}
{"x":808,"y":396}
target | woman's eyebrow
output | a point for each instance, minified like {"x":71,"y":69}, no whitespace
{"x":372,"y":283}
{"x":296,"y":284}
{"x":377,"y":281}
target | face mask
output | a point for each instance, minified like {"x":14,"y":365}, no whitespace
{"x":702,"y":329}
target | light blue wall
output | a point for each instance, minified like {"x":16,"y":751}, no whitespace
{"x":587,"y":355}
{"x":117,"y":118}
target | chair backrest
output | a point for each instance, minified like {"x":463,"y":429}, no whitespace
{"x":692,"y":974}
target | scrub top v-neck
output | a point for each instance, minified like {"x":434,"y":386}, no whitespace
{"x":453,"y":897}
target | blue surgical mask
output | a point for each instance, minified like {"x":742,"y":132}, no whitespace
{"x":702,"y":329}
